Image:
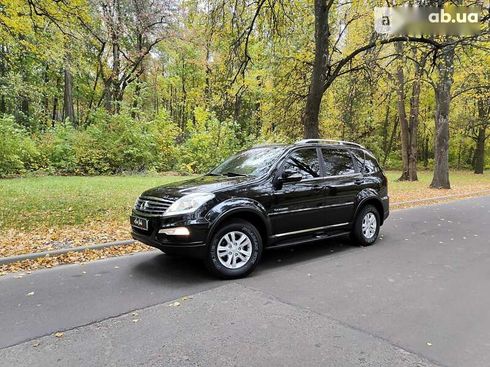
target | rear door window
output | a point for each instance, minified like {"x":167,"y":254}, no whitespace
{"x":338,"y":162}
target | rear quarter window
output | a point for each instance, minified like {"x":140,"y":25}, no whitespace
{"x":365,"y":161}
{"x":370,"y":164}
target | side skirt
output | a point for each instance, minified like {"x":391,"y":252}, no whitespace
{"x":298,"y":241}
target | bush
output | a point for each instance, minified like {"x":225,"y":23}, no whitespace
{"x":119,"y":143}
{"x":165,"y":134}
{"x":56,"y":147}
{"x":115,"y":144}
{"x":208,"y":143}
{"x":18,"y":152}
{"x":111,"y":144}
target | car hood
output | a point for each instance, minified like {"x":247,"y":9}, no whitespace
{"x":210,"y":184}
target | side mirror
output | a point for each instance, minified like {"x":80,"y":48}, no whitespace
{"x":291,"y":176}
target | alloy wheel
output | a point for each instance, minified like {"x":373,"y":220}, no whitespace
{"x":369,"y":225}
{"x":234,"y":250}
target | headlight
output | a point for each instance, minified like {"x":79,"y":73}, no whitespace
{"x":188,"y":203}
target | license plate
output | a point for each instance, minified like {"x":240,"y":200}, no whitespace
{"x":139,"y":223}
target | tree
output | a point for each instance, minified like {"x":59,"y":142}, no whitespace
{"x":409,"y":126}
{"x":128,"y":31}
{"x":481,"y":136}
{"x":445,"y":68}
{"x":326,"y":69}
{"x":68,"y":110}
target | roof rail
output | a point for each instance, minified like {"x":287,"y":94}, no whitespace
{"x":328,"y":141}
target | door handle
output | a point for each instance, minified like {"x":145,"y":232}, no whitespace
{"x":331,"y":187}
{"x":318,"y":188}
{"x":359,"y":181}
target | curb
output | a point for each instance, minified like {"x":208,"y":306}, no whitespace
{"x":36,"y":255}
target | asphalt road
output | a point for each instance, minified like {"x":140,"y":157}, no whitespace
{"x":419,"y":297}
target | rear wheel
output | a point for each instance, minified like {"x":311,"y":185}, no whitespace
{"x":234,"y":250}
{"x":366,"y":226}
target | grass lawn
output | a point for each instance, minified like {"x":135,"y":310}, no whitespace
{"x":29,"y":203}
{"x":462,"y":183}
{"x":44,"y":213}
{"x":48,"y":213}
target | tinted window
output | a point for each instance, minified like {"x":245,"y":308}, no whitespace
{"x":254,"y":162}
{"x":358,"y":156}
{"x":370,"y":164}
{"x":337,"y":162}
{"x":304,"y":162}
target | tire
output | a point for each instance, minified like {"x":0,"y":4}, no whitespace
{"x":234,"y":250}
{"x":368,"y":235}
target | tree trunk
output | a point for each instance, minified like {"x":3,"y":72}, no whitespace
{"x":68,"y":110}
{"x":480,"y":150}
{"x":414,"y":121}
{"x":479,"y":158}
{"x":426,"y":149}
{"x":115,"y":87}
{"x":139,"y":81}
{"x":24,"y":108}
{"x":402,"y":115}
{"x":3,"y":71}
{"x":445,"y":66}
{"x":386,"y":125}
{"x":409,"y":126}
{"x":392,"y":139}
{"x":317,"y":83}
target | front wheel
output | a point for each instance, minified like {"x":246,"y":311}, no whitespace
{"x":366,"y":226}
{"x":234,"y":250}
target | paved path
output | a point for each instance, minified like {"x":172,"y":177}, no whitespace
{"x":419,"y":297}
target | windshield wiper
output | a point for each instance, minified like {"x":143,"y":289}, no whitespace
{"x":234,"y":174}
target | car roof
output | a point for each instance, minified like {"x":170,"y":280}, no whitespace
{"x":313,"y":143}
{"x":328,"y":142}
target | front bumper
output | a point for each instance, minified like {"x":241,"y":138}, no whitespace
{"x":194,"y":243}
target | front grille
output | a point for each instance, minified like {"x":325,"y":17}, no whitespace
{"x":152,"y":205}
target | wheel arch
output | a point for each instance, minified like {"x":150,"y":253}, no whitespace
{"x":371,"y":200}
{"x":248,"y":211}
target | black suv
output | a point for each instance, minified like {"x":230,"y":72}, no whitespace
{"x":267,"y":196}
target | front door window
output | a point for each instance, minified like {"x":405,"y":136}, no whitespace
{"x":305,"y":162}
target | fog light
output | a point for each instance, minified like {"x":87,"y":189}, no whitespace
{"x":176,"y":231}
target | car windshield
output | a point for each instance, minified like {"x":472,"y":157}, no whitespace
{"x":253,"y":162}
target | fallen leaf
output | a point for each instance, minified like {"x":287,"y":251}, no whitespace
{"x":59,"y":334}
{"x":174,"y":304}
